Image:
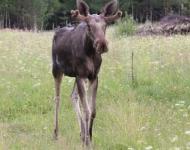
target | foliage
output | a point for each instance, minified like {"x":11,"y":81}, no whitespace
{"x":47,"y":14}
{"x":126,"y":26}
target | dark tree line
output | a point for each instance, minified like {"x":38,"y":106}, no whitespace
{"x":47,"y":14}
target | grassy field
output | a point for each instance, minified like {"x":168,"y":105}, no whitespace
{"x":153,"y":113}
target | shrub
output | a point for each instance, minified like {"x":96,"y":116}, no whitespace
{"x":127,"y":26}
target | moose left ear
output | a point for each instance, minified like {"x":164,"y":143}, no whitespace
{"x":110,"y":8}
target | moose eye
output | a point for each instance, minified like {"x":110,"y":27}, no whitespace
{"x":90,"y":27}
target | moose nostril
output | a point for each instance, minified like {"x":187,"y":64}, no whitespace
{"x":103,"y":44}
{"x":97,"y":41}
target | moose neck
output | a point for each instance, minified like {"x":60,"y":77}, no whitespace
{"x":89,"y":42}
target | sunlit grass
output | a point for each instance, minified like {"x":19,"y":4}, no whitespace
{"x":152,"y":114}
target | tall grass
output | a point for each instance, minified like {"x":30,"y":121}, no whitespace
{"x":152,"y":115}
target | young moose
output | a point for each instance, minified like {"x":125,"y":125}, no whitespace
{"x":77,"y":53}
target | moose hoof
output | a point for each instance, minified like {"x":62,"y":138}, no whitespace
{"x":55,"y":135}
{"x":88,"y":144}
{"x":87,"y":141}
{"x":82,"y":138}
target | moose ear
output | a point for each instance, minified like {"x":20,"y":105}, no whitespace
{"x":110,"y":8}
{"x":82,"y":7}
{"x":112,"y":18}
{"x":76,"y":14}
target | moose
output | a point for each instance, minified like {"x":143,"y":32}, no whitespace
{"x":76,"y":52}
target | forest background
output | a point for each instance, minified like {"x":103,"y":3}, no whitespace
{"x":49,"y":14}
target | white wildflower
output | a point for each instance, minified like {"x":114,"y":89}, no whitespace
{"x":142,"y":128}
{"x":187,"y":132}
{"x":148,"y":147}
{"x":185,"y":115}
{"x":188,"y":145}
{"x":45,"y":128}
{"x":36,"y":85}
{"x":174,"y":139}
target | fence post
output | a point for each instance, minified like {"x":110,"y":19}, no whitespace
{"x":132,"y":68}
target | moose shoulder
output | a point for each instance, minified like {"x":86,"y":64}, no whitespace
{"x":76,"y":52}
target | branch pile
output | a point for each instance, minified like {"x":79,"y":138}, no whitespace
{"x":168,"y":25}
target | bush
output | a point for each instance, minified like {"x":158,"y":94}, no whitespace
{"x":127,"y":26}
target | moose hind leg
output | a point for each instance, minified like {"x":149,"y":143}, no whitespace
{"x":76,"y":105}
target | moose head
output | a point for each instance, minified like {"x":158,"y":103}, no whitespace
{"x":97,"y":23}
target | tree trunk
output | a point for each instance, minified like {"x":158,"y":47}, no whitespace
{"x":132,"y":8}
{"x":151,"y":14}
{"x":9,"y":19}
{"x":35,"y":28}
{"x":42,"y":25}
{"x":6,"y":19}
{"x":166,"y":7}
{"x":182,"y":9}
{"x":1,"y":20}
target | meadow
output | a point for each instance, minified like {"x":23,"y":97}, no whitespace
{"x":150,"y":113}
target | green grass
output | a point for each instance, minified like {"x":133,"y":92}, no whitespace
{"x":154,"y":113}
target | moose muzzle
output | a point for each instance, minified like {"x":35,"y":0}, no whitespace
{"x":101,"y":46}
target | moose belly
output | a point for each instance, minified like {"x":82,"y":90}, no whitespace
{"x":84,"y":69}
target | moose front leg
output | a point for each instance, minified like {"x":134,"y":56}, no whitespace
{"x":57,"y":80}
{"x":86,"y":112}
{"x":75,"y":101}
{"x":92,"y":91}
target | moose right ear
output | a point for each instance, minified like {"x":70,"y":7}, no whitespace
{"x":76,"y":14}
{"x":110,"y":8}
{"x":82,"y":7}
